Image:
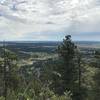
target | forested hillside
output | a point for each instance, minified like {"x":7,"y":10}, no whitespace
{"x":64,"y":70}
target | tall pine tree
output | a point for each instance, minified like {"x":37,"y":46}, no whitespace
{"x":67,"y":52}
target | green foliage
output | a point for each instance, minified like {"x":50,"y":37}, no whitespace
{"x":48,"y":94}
{"x":67,"y":51}
{"x":66,"y":76}
{"x":97,"y":76}
{"x":2,"y":98}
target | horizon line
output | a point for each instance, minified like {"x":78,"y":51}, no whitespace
{"x":48,"y":40}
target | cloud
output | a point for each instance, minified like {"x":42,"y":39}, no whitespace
{"x":23,"y":19}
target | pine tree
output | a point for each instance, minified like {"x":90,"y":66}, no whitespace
{"x":97,"y":76}
{"x":9,"y":72}
{"x":67,"y":52}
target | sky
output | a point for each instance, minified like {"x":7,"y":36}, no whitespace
{"x":41,"y":20}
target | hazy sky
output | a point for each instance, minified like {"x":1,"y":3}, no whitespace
{"x":49,"y":19}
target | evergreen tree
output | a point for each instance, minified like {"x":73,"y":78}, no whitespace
{"x":69,"y":74}
{"x":9,"y":72}
{"x":97,"y":76}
